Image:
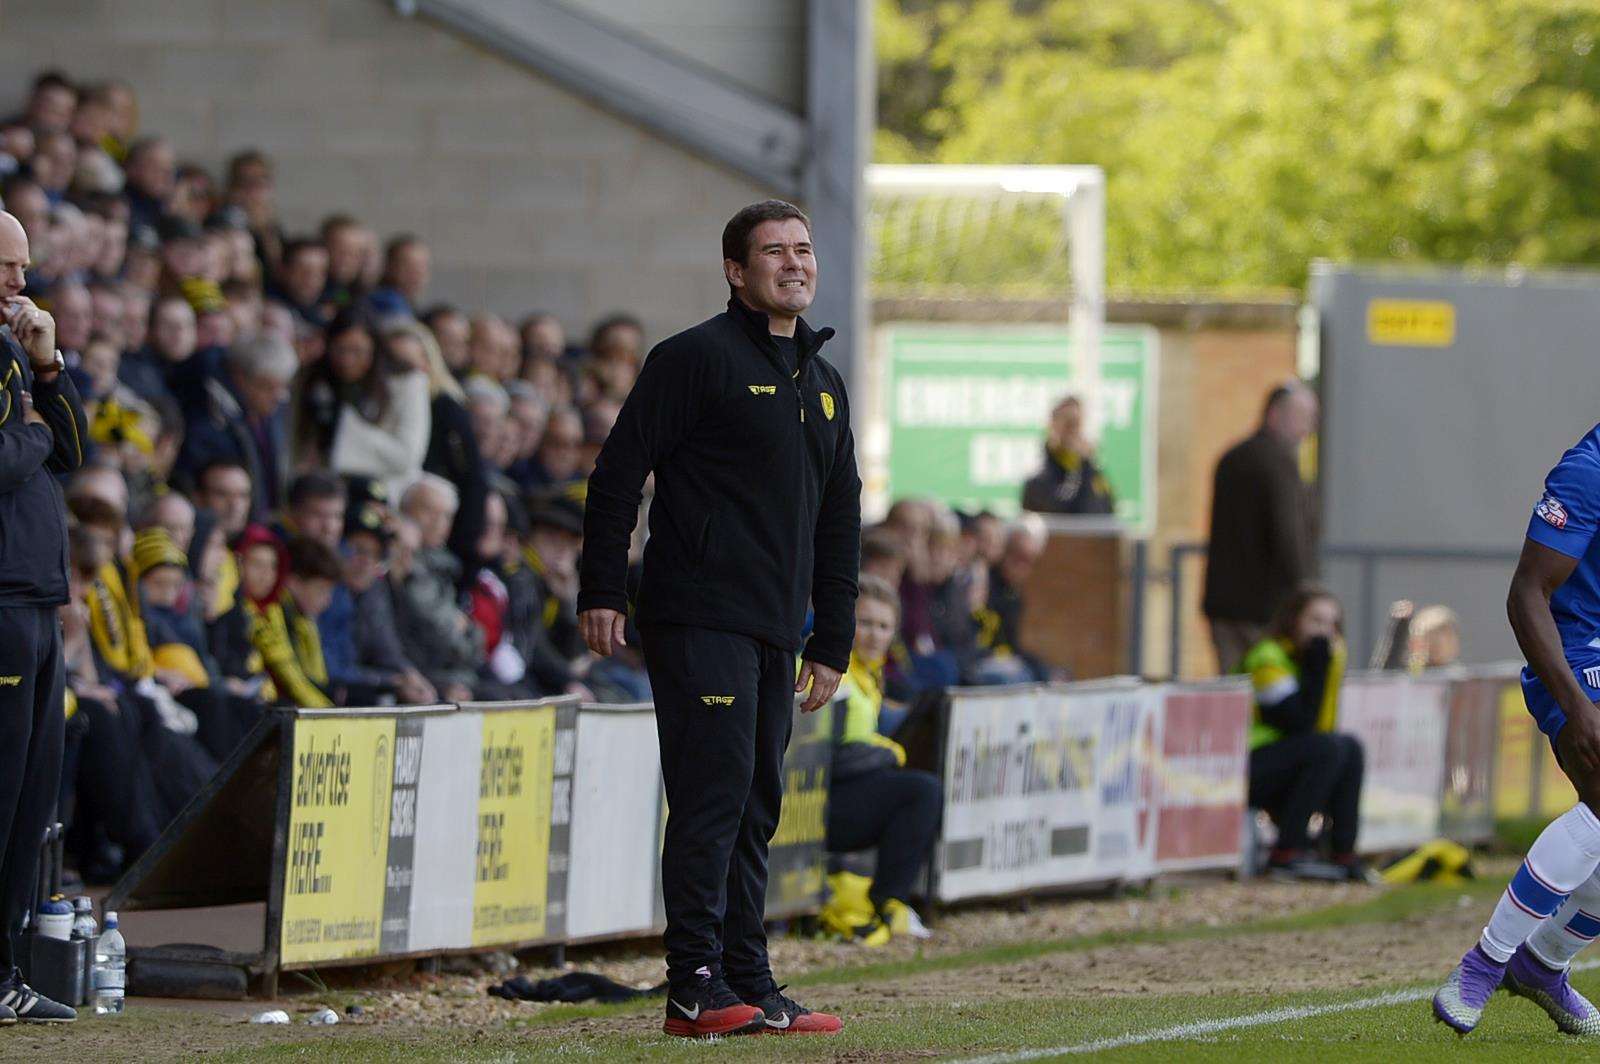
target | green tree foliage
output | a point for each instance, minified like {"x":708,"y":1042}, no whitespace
{"x":1243,"y":138}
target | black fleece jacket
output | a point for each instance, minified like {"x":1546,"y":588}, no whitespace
{"x":33,"y":513}
{"x":757,"y":504}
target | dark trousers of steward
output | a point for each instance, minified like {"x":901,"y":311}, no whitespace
{"x":32,"y":727}
{"x":724,"y":712}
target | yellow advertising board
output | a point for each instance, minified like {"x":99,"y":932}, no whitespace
{"x":1528,"y":781}
{"x":1411,"y":322}
{"x":338,"y":838}
{"x":1513,"y":775}
{"x":516,"y":772}
{"x":1556,"y":793}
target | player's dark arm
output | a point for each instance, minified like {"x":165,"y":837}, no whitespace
{"x":57,"y":402}
{"x":1540,"y":572}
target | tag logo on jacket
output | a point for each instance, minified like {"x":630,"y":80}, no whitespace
{"x":763,"y":389}
{"x":717,"y":700}
{"x":827,"y":405}
{"x":1551,"y":510}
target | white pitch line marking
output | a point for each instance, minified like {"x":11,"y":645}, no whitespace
{"x":1202,"y":1028}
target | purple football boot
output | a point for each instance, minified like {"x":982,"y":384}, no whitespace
{"x":1460,"y":1001}
{"x":1527,"y":976}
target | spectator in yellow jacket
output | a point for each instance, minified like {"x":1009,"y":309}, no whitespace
{"x":874,"y":801}
{"x":1300,"y":763}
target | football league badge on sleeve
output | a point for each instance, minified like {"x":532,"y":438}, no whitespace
{"x":1552,"y":512}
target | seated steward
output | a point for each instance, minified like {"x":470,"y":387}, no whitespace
{"x":1299,"y":764}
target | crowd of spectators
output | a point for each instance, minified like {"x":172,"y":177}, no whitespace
{"x":960,"y":578}
{"x":312,"y":484}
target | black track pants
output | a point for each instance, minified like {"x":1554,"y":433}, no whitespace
{"x":32,"y":726}
{"x":724,"y":710}
{"x":1313,"y":772}
{"x":895,"y":809}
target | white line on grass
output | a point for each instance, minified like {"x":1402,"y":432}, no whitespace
{"x":1202,"y":1028}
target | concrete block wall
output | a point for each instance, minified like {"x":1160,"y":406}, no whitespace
{"x":530,"y":197}
{"x":758,"y":44}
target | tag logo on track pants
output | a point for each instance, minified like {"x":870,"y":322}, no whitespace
{"x":717,"y":700}
{"x":10,"y":681}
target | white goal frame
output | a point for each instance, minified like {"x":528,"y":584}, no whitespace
{"x":1082,"y":192}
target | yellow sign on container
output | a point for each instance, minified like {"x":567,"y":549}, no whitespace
{"x":1513,"y":777}
{"x":1411,"y":322}
{"x":1556,"y":793}
{"x":338,"y":838}
{"x":516,"y":771}
{"x":1522,"y":751}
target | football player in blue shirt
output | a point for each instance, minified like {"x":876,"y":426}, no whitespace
{"x":1551,"y":909}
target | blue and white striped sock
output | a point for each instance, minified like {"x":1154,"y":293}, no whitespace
{"x":1575,"y":925}
{"x":1563,"y":857}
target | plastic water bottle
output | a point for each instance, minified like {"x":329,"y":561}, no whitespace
{"x":109,"y":977}
{"x":83,"y":925}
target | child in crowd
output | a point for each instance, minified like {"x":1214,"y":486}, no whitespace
{"x":259,"y":559}
{"x":161,"y":570}
{"x":284,"y":629}
{"x":874,"y":801}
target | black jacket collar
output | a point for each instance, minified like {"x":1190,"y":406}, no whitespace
{"x":759,"y":328}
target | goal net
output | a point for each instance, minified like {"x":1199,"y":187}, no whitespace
{"x":967,"y":233}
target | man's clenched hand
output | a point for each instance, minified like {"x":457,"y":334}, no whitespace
{"x":603,"y":630}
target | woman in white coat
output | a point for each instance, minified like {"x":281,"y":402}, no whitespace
{"x":363,"y":410}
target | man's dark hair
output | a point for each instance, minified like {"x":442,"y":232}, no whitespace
{"x":1277,"y":396}
{"x":881,"y":544}
{"x":142,"y":145}
{"x":54,"y":79}
{"x":215,"y":464}
{"x":95,"y":512}
{"x":316,"y":484}
{"x":619,"y":320}
{"x":396,"y":245}
{"x":300,"y":245}
{"x":1288,"y":614}
{"x":736,"y":234}
{"x":17,"y":183}
{"x":311,"y":560}
{"x":334,"y":222}
{"x":248,"y":157}
{"x":439,"y":310}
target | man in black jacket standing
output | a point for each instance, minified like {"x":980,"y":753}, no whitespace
{"x":1261,"y":526}
{"x":42,"y":429}
{"x":756,"y":512}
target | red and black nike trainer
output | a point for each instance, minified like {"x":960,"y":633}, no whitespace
{"x":782,"y":1014}
{"x":706,"y":1008}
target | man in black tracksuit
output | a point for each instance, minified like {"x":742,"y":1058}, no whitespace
{"x":42,"y":430}
{"x":756,"y":513}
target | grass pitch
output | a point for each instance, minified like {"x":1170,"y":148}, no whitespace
{"x":993,"y":1003}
